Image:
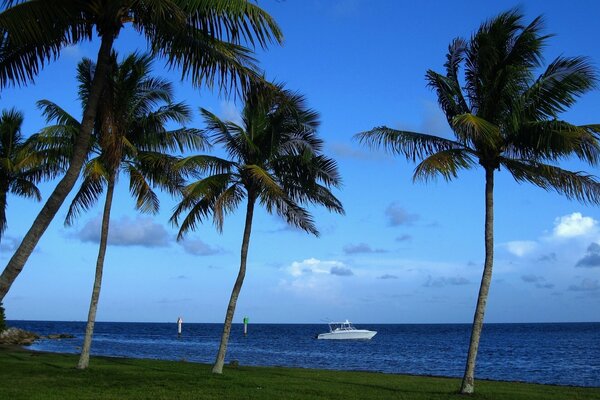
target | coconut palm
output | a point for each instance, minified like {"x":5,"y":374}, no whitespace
{"x":21,"y":166}
{"x":274,"y":158}
{"x":503,"y":116}
{"x":203,"y":39}
{"x":129,"y":137}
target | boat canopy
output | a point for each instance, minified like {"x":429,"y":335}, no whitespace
{"x":341,"y":326}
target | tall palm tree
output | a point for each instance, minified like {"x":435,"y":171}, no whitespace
{"x":204,"y":39}
{"x":502,"y":116}
{"x":274,"y":158}
{"x":21,"y":166}
{"x":129,"y":137}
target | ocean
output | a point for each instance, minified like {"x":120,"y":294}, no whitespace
{"x":549,"y":353}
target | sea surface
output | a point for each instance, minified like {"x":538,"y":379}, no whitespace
{"x":562,"y":354}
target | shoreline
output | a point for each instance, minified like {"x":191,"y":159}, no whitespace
{"x":26,"y":349}
{"x":26,"y":374}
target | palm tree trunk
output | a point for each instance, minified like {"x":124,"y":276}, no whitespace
{"x":84,"y":359}
{"x":64,"y":187}
{"x":218,"y":367}
{"x":468,"y":383}
{"x":3,"y":194}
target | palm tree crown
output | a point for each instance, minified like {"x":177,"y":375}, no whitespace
{"x":274,"y":157}
{"x":130,"y":134}
{"x":503,"y":115}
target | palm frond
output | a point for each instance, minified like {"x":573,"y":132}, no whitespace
{"x":446,"y":163}
{"x":553,"y":140}
{"x":146,"y":200}
{"x":25,"y":188}
{"x":204,"y":164}
{"x":198,"y":201}
{"x":474,"y":131}
{"x":412,"y":145}
{"x":262,"y":180}
{"x":34,"y":33}
{"x":557,"y":89}
{"x":226,"y":203}
{"x":573,"y":185}
{"x":88,"y":194}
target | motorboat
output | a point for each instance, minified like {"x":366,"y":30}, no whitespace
{"x":345,"y":330}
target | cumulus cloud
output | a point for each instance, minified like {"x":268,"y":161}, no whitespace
{"x":573,"y":225}
{"x":591,"y":258}
{"x":538,"y":281}
{"x":403,"y":238}
{"x":521,"y":248}
{"x":361,"y":248}
{"x":315,"y":280}
{"x":141,"y":231}
{"x":387,"y":276}
{"x":446,"y":281}
{"x":313,"y":266}
{"x":586,"y":285}
{"x":399,"y":216}
{"x":198,"y":248}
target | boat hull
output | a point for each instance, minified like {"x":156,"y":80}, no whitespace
{"x":357,"y":334}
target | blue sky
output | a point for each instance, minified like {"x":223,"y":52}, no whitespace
{"x":403,"y":253}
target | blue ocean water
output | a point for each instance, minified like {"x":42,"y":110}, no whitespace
{"x":563,"y":354}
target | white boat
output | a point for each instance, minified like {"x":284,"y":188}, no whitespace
{"x":345,"y":330}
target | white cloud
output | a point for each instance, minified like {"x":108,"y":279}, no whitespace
{"x":573,"y":225}
{"x":141,"y":231}
{"x":313,"y":266}
{"x":521,"y":248}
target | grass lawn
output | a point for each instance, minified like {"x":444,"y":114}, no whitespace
{"x":31,"y":375}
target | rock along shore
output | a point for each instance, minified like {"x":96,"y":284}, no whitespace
{"x":20,"y":337}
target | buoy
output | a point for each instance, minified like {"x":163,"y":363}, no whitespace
{"x":179,"y":323}
{"x":245,"y":325}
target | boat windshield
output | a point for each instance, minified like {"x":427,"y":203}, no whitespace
{"x":341,"y":326}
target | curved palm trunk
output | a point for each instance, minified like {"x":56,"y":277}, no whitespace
{"x":218,"y":367}
{"x":84,"y":359}
{"x":64,"y":187}
{"x":468,"y":383}
{"x":3,"y":192}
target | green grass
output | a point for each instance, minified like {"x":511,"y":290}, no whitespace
{"x":30,"y":375}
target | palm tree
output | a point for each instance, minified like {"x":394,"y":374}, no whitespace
{"x":274,"y":158}
{"x":204,"y":39}
{"x":502,"y":116}
{"x":21,"y":166}
{"x":129,"y":137}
